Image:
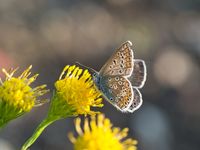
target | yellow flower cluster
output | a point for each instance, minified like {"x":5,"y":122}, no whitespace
{"x":16,"y":91}
{"x":99,"y":135}
{"x":17,"y":96}
{"x":77,"y":89}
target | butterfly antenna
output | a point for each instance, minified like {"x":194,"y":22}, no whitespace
{"x":90,"y":69}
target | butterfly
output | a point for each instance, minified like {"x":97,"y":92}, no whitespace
{"x":120,"y":79}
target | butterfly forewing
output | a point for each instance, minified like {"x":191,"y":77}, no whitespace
{"x":138,"y":76}
{"x":118,"y":91}
{"x":120,"y":63}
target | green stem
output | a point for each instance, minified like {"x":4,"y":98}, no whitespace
{"x":37,"y":133}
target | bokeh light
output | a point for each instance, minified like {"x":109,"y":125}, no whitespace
{"x":173,"y":67}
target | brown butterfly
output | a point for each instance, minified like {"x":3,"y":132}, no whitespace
{"x":120,"y":79}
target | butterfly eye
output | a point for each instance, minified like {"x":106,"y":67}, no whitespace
{"x":111,"y":98}
{"x":94,"y":74}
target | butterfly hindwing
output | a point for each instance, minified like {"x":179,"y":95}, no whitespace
{"x":121,"y":62}
{"x":137,"y":101}
{"x":138,"y":76}
{"x":118,"y":91}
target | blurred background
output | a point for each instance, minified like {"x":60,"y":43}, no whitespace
{"x":165,"y":33}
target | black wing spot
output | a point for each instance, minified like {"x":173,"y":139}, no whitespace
{"x":120,"y":71}
{"x":114,"y":61}
{"x":116,"y":78}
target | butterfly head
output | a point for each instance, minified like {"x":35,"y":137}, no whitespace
{"x":95,"y":74}
{"x":96,"y":78}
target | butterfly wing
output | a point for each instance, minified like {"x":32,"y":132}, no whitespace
{"x":115,"y":86}
{"x":118,"y":91}
{"x":138,"y":76}
{"x":137,"y":101}
{"x":120,"y":63}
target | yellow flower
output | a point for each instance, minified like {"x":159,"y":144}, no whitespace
{"x":74,"y":95}
{"x":75,"y":89}
{"x":99,"y":135}
{"x":17,"y":96}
